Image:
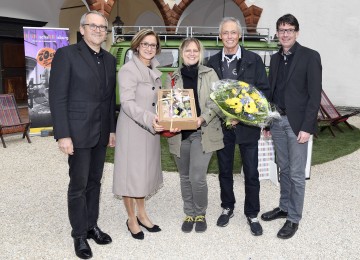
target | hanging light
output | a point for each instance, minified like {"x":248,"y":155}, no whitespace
{"x":118,"y":23}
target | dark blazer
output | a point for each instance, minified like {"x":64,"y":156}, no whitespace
{"x":250,"y":69}
{"x":303,"y":88}
{"x":80,"y":107}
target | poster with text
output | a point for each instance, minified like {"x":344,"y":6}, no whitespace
{"x":40,"y":46}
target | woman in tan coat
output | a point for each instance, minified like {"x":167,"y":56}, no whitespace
{"x":137,"y":171}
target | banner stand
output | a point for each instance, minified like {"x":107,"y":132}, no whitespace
{"x":40,"y":45}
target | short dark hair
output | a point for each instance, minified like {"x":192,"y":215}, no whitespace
{"x":288,"y":19}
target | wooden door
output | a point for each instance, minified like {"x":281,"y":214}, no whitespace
{"x":13,"y":72}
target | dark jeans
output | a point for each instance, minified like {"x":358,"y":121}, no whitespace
{"x":249,"y":157}
{"x":86,"y":169}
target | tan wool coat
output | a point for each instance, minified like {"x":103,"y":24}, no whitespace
{"x":137,"y":166}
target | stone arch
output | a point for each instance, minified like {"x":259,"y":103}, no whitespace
{"x":171,"y":16}
{"x":251,"y":14}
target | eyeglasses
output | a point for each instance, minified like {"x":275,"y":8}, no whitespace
{"x":288,"y":31}
{"x":94,"y":27}
{"x":146,"y":45}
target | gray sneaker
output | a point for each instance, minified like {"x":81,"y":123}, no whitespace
{"x":225,"y":216}
{"x":200,"y":224}
{"x":188,"y":224}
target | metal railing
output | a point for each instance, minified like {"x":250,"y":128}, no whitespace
{"x":121,"y":33}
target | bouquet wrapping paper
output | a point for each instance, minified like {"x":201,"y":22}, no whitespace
{"x":241,"y":101}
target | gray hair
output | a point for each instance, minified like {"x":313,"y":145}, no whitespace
{"x":83,"y":17}
{"x":230,"y":19}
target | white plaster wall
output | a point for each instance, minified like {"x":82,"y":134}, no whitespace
{"x":39,"y":10}
{"x":333,"y":29}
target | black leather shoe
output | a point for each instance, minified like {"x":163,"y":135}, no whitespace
{"x":288,"y":230}
{"x":153,"y":229}
{"x":139,"y":235}
{"x":99,"y":237}
{"x":274,"y":214}
{"x":82,"y":248}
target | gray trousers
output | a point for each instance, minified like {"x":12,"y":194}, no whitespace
{"x":291,"y":159}
{"x":193,"y":165}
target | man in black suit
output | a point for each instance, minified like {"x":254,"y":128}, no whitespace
{"x":234,"y":62}
{"x":82,"y":103}
{"x":295,"y":79}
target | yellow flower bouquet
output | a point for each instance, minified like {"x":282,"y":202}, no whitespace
{"x":241,"y":101}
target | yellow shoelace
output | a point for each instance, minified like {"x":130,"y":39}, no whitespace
{"x":199,"y":218}
{"x":189,"y":219}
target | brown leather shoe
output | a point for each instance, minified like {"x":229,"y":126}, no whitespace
{"x":274,"y":214}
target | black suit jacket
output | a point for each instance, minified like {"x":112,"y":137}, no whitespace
{"x":80,"y":107}
{"x":302,"y":90}
{"x":250,"y":69}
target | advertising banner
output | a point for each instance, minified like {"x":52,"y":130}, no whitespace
{"x":40,"y":46}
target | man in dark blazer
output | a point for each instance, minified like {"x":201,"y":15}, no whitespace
{"x":82,"y":103}
{"x":234,"y":62}
{"x":295,"y":78}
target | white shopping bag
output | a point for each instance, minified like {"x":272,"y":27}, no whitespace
{"x":266,"y":156}
{"x":309,"y":156}
{"x":267,"y":166}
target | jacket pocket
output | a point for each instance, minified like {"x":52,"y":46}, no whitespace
{"x":215,"y":133}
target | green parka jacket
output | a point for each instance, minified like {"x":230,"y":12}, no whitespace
{"x":212,"y":136}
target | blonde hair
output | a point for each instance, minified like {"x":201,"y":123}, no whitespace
{"x":140,"y":35}
{"x":185,"y":43}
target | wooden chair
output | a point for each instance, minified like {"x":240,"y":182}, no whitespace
{"x":10,"y":121}
{"x":324,"y":123}
{"x":329,"y":117}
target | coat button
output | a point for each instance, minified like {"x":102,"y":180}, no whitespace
{"x":153,"y":88}
{"x":153,"y":104}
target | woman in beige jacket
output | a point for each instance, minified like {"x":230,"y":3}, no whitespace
{"x":137,"y":169}
{"x":193,"y":149}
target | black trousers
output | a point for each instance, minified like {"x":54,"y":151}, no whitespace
{"x":249,"y":157}
{"x":86,"y":167}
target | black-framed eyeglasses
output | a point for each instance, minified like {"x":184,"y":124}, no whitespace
{"x":146,"y":45}
{"x":288,"y":31}
{"x":94,"y":27}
